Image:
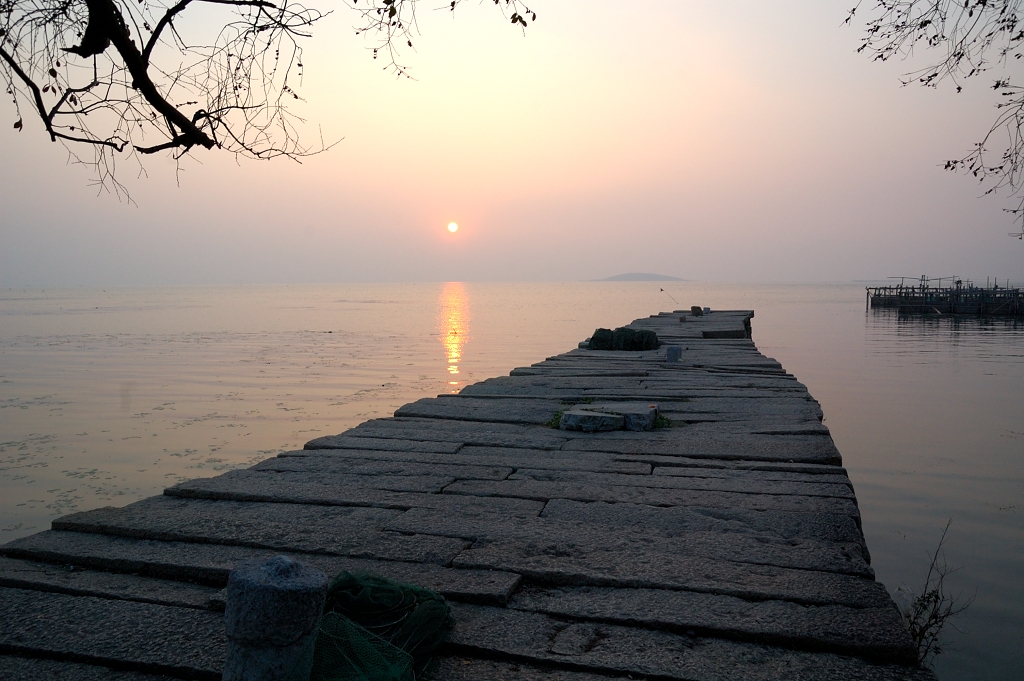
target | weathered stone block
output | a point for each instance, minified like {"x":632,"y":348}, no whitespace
{"x":619,"y":651}
{"x":211,"y":564}
{"x":273,"y":607}
{"x":607,"y":416}
{"x":186,"y":642}
{"x":590,"y":421}
{"x":274,"y":601}
{"x":876,"y":633}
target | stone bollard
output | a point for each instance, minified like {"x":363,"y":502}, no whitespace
{"x":273,"y":607}
{"x":673,"y":353}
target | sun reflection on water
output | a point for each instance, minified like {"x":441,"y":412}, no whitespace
{"x":453,"y":327}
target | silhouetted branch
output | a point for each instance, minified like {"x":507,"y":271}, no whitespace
{"x":972,"y":38}
{"x":395,"y":22}
{"x":81,"y":69}
{"x":110,"y":75}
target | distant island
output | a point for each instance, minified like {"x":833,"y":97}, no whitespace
{"x":641,"y":276}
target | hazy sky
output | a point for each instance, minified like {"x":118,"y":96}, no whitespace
{"x":742,"y":141}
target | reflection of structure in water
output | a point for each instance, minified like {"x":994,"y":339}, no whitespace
{"x":960,"y":298}
{"x":453,"y":325}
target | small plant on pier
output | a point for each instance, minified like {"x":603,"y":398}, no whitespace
{"x":927,"y":612}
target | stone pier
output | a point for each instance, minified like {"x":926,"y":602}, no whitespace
{"x":723,"y":544}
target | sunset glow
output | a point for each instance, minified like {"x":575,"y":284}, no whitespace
{"x":550,"y":143}
{"x":453,"y":325}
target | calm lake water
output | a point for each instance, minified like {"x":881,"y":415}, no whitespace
{"x":108,"y":396}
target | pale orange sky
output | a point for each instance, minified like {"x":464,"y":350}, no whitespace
{"x":719,"y":141}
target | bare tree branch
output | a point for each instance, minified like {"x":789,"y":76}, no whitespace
{"x":125,"y":76}
{"x":972,"y":38}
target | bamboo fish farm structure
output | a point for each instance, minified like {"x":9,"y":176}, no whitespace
{"x":960,"y":298}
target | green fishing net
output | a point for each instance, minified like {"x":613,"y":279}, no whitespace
{"x":374,"y":629}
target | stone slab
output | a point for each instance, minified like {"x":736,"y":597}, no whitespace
{"x":827,"y":527}
{"x":712,"y":362}
{"x":756,"y":473}
{"x":475,"y":669}
{"x":681,"y":376}
{"x":613,"y":649}
{"x":182,"y":642}
{"x":744,"y":370}
{"x":683,"y":391}
{"x":66,"y":579}
{"x":523,"y":535}
{"x":779,"y":407}
{"x":743,"y":423}
{"x":376,"y":470}
{"x":526,"y":411}
{"x":873,"y":633}
{"x":711,"y":443}
{"x":543,"y":371}
{"x":389,"y":445}
{"x":665,"y":462}
{"x":745,"y":350}
{"x":552,"y":563}
{"x":747,"y":484}
{"x":503,"y":385}
{"x":580,"y":419}
{"x":724,"y":333}
{"x":255,"y":486}
{"x":639,"y":416}
{"x":331,"y":530}
{"x":603,"y":358}
{"x":466,"y":432}
{"x":501,"y":456}
{"x":35,"y":669}
{"x":350,"y":481}
{"x":652,"y":496}
{"x":210,"y":564}
{"x":678,"y":393}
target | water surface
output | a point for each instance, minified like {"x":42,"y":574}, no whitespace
{"x":108,"y":396}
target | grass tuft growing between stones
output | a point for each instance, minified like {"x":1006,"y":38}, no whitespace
{"x":569,"y":402}
{"x":662,"y":422}
{"x":555,"y":421}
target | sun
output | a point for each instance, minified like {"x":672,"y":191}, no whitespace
{"x":452,"y":227}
